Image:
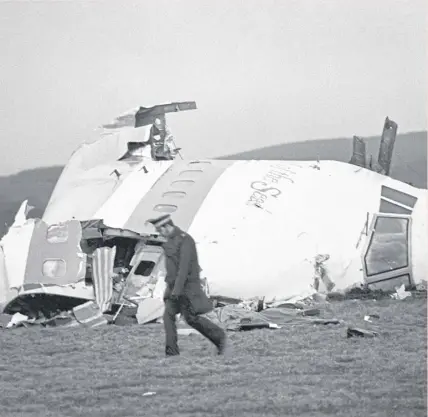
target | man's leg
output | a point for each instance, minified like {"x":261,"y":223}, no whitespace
{"x":203,"y":325}
{"x":171,"y":310}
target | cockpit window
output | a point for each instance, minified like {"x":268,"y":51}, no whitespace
{"x":388,"y":248}
{"x":404,"y":199}
{"x":388,"y":207}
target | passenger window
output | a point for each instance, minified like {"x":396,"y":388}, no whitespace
{"x":200,"y":162}
{"x":388,"y":248}
{"x":182,"y":184}
{"x":165,"y":208}
{"x":145,"y":268}
{"x":191,"y":173}
{"x":57,"y":233}
{"x":54,"y":268}
{"x":174,"y":194}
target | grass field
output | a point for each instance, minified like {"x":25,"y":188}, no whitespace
{"x":298,"y":370}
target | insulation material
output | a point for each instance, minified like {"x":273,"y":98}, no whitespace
{"x":321,"y":273}
{"x":102,"y":275}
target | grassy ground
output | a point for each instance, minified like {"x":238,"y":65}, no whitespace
{"x":302,"y":370}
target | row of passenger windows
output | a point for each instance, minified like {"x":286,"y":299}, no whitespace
{"x":59,"y":233}
{"x":190,"y":175}
{"x":56,"y":268}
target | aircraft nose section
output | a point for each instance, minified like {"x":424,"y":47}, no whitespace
{"x":388,"y":256}
{"x":419,"y":239}
{"x":397,"y":249}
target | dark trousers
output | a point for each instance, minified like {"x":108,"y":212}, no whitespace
{"x":204,"y":326}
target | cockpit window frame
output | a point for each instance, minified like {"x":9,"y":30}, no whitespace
{"x":394,"y":273}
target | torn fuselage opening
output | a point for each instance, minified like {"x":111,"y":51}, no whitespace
{"x":42,"y":306}
{"x":137,"y":261}
{"x":43,"y":296}
{"x":124,"y":252}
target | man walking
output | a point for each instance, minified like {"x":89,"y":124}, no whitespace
{"x":184,"y":292}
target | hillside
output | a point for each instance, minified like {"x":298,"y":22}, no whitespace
{"x":409,"y":162}
{"x":409,"y":165}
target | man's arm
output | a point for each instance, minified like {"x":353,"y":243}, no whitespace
{"x":187,"y":252}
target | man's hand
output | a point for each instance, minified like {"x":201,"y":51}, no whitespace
{"x":170,"y":295}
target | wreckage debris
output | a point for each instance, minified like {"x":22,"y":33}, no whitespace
{"x":358,"y":332}
{"x":232,"y":314}
{"x":187,"y":332}
{"x":369,"y":317}
{"x":326,"y":321}
{"x":254,"y":326}
{"x":238,"y":315}
{"x":401,"y":293}
{"x":87,"y":315}
{"x":248,"y":324}
{"x":311,"y":312}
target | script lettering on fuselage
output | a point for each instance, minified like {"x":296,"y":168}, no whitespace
{"x":266,"y":187}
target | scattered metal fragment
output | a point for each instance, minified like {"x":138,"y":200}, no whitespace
{"x":311,"y":312}
{"x":368,"y":317}
{"x":358,"y":332}
{"x":326,"y":321}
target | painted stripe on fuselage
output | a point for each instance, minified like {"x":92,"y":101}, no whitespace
{"x":170,"y":193}
{"x":117,"y":210}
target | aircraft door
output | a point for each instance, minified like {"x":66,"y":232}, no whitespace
{"x":387,"y":254}
{"x":148,"y":268}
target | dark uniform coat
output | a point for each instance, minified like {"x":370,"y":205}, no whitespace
{"x":183,"y":271}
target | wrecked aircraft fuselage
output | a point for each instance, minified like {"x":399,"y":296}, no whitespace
{"x":263,"y":228}
{"x":268,"y":229}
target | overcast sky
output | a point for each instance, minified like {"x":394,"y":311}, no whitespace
{"x":262,"y":72}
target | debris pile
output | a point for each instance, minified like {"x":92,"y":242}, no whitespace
{"x":232,"y":314}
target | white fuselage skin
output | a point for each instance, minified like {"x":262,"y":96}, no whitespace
{"x":305,"y":209}
{"x":262,"y":223}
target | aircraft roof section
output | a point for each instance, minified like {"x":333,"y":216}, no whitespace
{"x":180,"y":192}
